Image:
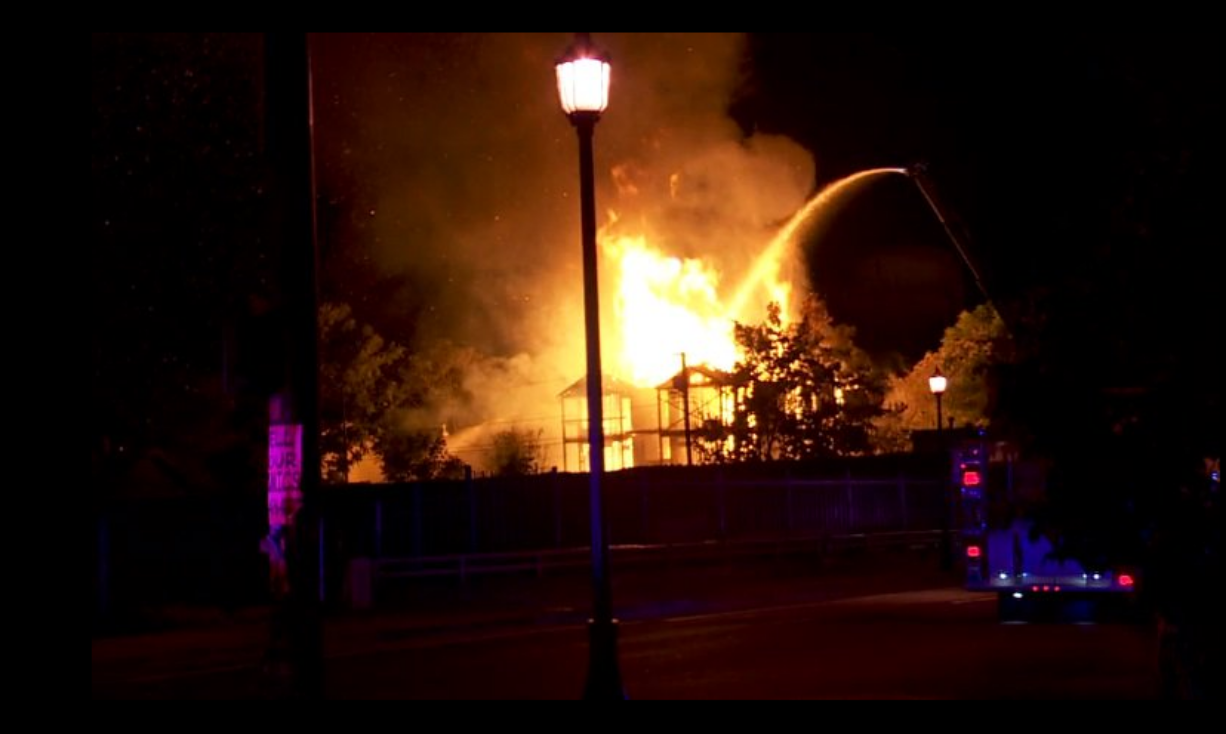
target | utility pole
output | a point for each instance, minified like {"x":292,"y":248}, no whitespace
{"x":294,"y":661}
{"x":685,"y":407}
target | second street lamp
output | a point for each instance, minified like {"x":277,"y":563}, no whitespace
{"x":937,"y":384}
{"x":583,"y":90}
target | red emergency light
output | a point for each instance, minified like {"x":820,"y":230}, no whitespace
{"x":970,"y":478}
{"x":973,"y":551}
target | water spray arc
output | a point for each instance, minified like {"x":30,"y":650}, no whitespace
{"x":768,"y":263}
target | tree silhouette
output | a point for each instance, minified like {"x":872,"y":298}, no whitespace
{"x":806,"y":390}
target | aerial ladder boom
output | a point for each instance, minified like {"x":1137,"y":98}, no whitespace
{"x":953,"y":228}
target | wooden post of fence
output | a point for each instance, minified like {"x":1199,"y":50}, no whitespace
{"x":902,"y":499}
{"x":378,"y":528}
{"x":471,"y":489}
{"x":721,"y":498}
{"x":644,"y":509}
{"x":417,"y":520}
{"x":789,"y":504}
{"x":323,"y":589}
{"x":851,"y":501}
{"x":557,"y":508}
{"x":104,"y":567}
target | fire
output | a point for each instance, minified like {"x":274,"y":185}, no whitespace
{"x":665,"y":306}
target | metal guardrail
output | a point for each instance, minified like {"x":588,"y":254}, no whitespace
{"x":539,"y":562}
{"x":367,"y":575}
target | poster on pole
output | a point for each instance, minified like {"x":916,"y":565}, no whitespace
{"x":284,"y":473}
{"x":284,"y":497}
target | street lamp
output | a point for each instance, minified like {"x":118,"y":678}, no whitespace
{"x":583,"y":89}
{"x":937,"y":384}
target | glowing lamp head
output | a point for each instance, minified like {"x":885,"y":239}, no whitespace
{"x":937,"y":383}
{"x":583,"y":79}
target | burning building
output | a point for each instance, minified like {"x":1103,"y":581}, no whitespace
{"x":619,"y":432}
{"x":694,"y":411}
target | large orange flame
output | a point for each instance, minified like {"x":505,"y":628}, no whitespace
{"x":665,"y":306}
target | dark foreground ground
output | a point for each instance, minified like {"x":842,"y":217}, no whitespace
{"x":887,"y":626}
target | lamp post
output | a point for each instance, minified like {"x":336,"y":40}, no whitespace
{"x":583,"y":89}
{"x":937,"y":384}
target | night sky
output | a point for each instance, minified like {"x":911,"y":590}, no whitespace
{"x":447,"y":182}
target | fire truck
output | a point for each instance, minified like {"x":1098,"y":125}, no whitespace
{"x":996,"y":494}
{"x":1004,"y":553}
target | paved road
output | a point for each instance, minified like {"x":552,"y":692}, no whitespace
{"x":888,"y":627}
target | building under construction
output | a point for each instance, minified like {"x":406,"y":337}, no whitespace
{"x":686,"y":423}
{"x":694,"y":412}
{"x":623,"y":411}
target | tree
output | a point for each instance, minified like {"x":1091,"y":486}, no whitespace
{"x":969,"y":351}
{"x":378,"y":398}
{"x":408,"y":456}
{"x":517,"y":452}
{"x":358,"y":387}
{"x":807,"y":391}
